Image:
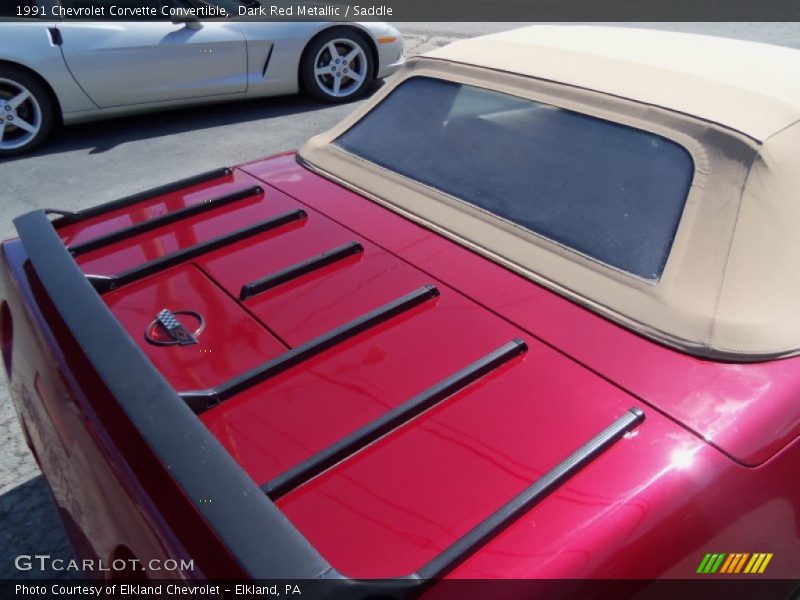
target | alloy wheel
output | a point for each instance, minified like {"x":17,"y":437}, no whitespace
{"x":340,"y":67}
{"x":20,"y":115}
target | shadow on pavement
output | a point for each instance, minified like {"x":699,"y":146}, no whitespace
{"x":30,"y":525}
{"x":101,"y":136}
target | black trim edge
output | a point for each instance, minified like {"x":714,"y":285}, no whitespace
{"x":401,"y":414}
{"x":95,"y":211}
{"x":299,"y":269}
{"x":170,"y":217}
{"x":490,"y":526}
{"x":107,"y":283}
{"x":202,"y":400}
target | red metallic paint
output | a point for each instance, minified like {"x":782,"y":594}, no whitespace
{"x":712,"y":468}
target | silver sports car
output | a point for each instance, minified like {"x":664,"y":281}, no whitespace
{"x":55,"y":70}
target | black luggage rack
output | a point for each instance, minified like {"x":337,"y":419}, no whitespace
{"x":200,"y":465}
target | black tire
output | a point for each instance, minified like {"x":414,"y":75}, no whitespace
{"x":317,"y":55}
{"x":37,"y":111}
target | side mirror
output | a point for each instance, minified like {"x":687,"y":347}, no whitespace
{"x":190,"y":21}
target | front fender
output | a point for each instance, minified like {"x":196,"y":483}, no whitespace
{"x":29,"y":45}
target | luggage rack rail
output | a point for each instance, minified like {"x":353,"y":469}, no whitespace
{"x":352,"y":443}
{"x":68,"y":217}
{"x":170,"y":217}
{"x":104,"y":283}
{"x":498,"y":520}
{"x":299,"y":269}
{"x":201,"y":400}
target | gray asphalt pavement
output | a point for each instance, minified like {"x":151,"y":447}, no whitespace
{"x":88,"y":164}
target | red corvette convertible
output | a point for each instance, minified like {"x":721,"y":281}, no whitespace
{"x":531,"y":312}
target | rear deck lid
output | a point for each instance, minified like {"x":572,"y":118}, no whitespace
{"x":386,"y":413}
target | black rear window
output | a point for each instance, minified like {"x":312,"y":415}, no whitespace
{"x":609,"y":191}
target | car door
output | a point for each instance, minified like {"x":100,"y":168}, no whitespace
{"x":124,"y":62}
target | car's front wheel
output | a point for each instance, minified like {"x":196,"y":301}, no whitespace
{"x":26,"y":112}
{"x":337,"y":66}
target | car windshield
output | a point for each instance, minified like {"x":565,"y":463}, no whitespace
{"x":608,"y":191}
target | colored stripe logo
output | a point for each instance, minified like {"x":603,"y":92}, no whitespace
{"x":737,"y":562}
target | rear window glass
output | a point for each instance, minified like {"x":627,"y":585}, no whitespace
{"x":609,"y":191}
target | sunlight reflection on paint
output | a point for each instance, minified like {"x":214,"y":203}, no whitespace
{"x":683,"y":457}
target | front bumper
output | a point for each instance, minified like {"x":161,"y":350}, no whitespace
{"x":391,"y":54}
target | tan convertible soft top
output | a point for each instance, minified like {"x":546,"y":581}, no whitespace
{"x":731,"y":285}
